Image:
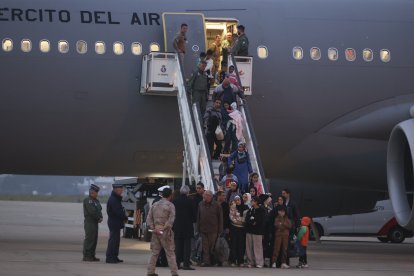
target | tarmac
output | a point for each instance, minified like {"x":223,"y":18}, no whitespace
{"x":44,"y":238}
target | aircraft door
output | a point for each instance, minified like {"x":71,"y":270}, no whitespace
{"x":196,"y":36}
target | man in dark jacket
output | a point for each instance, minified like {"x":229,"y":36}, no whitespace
{"x":225,"y":208}
{"x":196,"y":198}
{"x":116,"y":218}
{"x":292,"y":210}
{"x":185,"y":216}
{"x":210,"y":225}
{"x":241,"y":45}
{"x":255,"y":228}
{"x":213,"y":119}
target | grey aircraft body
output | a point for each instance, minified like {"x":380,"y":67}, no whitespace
{"x":322,"y":125}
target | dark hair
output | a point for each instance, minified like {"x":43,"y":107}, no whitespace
{"x":241,"y":28}
{"x":253,"y":174}
{"x":281,"y":208}
{"x":209,"y":52}
{"x":286,"y":190}
{"x":252,"y":187}
{"x":202,"y":54}
{"x":229,"y":169}
{"x":283,"y":198}
{"x":200,"y":184}
{"x":255,"y":198}
{"x":217,"y":99}
{"x":231,"y":66}
{"x":166,"y":192}
{"x":223,"y":63}
{"x":184,"y":25}
{"x":219,"y":193}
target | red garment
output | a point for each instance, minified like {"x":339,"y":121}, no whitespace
{"x":233,"y":79}
{"x":259,"y":187}
{"x":304,"y":241}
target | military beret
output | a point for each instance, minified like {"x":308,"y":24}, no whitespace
{"x":94,"y":188}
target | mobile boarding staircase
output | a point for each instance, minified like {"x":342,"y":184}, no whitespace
{"x":162,"y":75}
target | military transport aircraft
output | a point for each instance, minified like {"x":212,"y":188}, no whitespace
{"x":331,"y":80}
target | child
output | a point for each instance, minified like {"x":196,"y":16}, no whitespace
{"x":282,"y":227}
{"x":223,"y":72}
{"x":303,"y":238}
{"x":201,"y":58}
{"x":228,"y":178}
{"x":232,"y":76}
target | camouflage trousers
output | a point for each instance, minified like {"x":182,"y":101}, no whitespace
{"x":158,"y":242}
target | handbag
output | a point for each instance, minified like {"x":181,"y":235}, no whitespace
{"x":219,"y":133}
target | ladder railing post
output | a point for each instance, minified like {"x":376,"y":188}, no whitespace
{"x":197,"y":159}
{"x":254,"y":150}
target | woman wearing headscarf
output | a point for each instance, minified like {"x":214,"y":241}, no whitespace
{"x":240,"y":160}
{"x":247,"y":198}
{"x":237,"y":121}
{"x":238,"y":212}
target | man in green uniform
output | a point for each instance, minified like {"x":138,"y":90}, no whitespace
{"x":198,"y":86}
{"x":241,"y":45}
{"x":92,"y":210}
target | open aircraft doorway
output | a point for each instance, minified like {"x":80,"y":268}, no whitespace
{"x":226,"y":30}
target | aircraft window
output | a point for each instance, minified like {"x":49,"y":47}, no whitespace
{"x":297,"y":53}
{"x":44,"y":46}
{"x":81,"y":47}
{"x":350,"y":54}
{"x":333,"y":54}
{"x":367,"y":54}
{"x":118,"y":48}
{"x":136,"y":48}
{"x":385,"y":55}
{"x":26,"y":45}
{"x":100,"y":47}
{"x":7,"y":45}
{"x":154,"y":47}
{"x":262,"y":52}
{"x":315,"y":53}
{"x":63,"y":46}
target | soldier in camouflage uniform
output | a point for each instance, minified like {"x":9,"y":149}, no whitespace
{"x":198,"y":86}
{"x":92,"y":211}
{"x":160,"y":220}
{"x":216,"y":48}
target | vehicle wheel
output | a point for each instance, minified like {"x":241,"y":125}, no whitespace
{"x":396,"y":235}
{"x":383,"y":239}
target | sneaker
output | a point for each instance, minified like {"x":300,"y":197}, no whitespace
{"x":274,"y":265}
{"x":305,"y":266}
{"x":241,"y":265}
{"x":285,"y":266}
{"x":233,"y":264}
{"x":249,"y":266}
{"x":259,"y":266}
{"x":300,"y":265}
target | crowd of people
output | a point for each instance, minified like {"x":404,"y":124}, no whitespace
{"x":260,"y":231}
{"x":256,"y":229}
